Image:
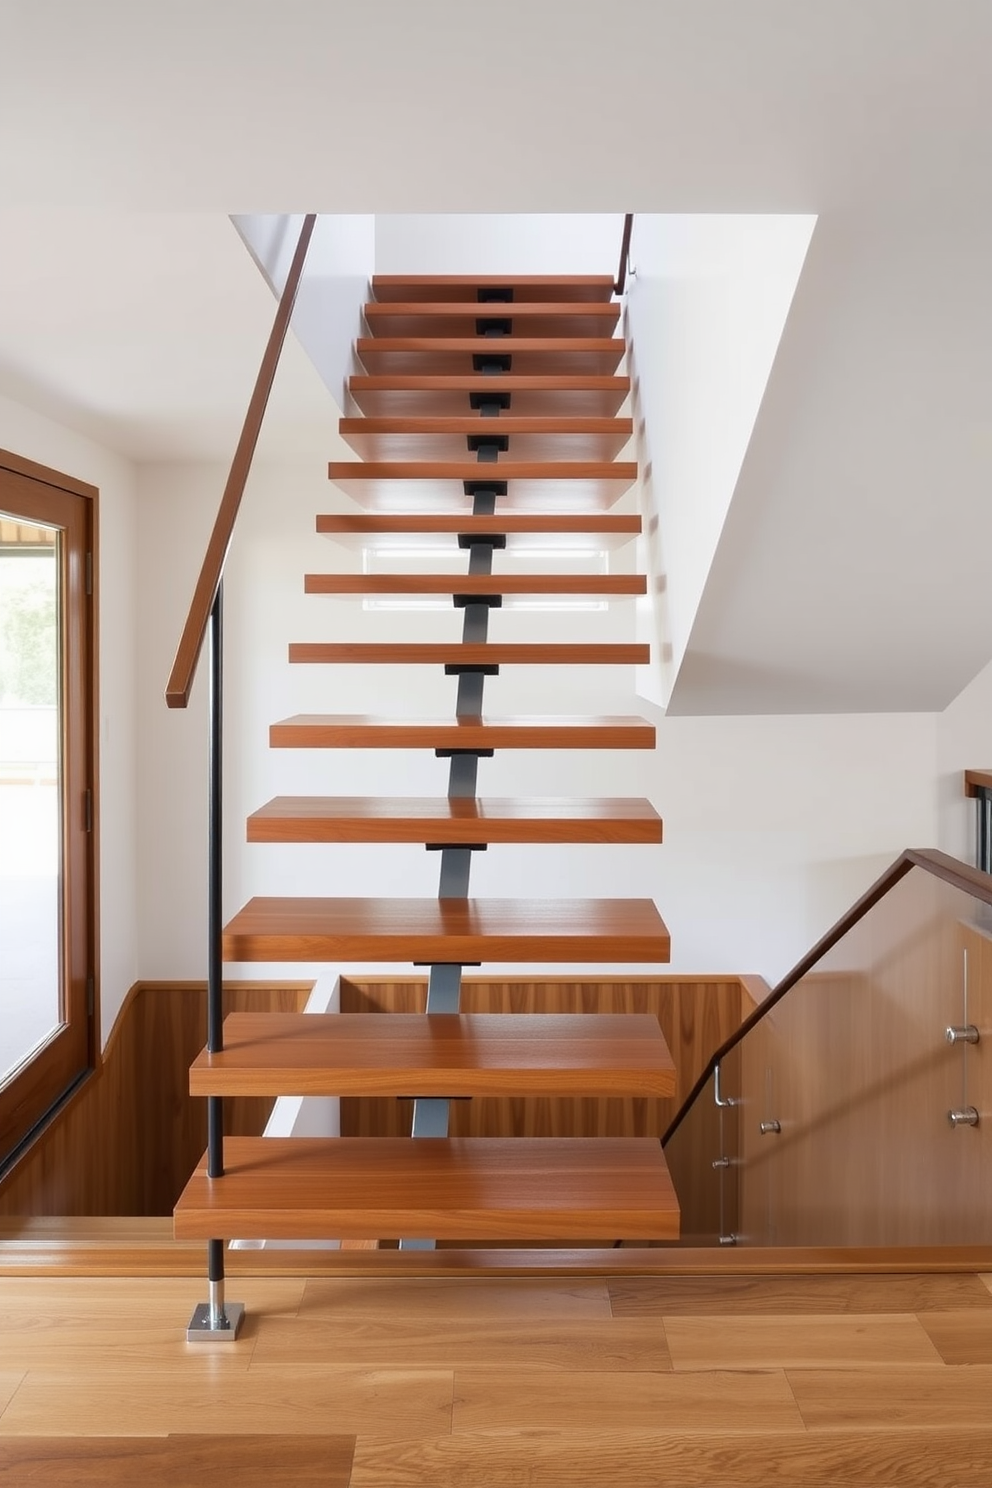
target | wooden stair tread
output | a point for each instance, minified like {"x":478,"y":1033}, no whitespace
{"x":443,"y":1188}
{"x":453,"y":819}
{"x":533,"y":395}
{"x":462,"y":653}
{"x":453,"y":354}
{"x":419,"y":485}
{"x":478,"y":584}
{"x":461,"y":317}
{"x":433,"y":287}
{"x":522,"y":529}
{"x":370,"y":731}
{"x":446,"y":438}
{"x":467,"y":469}
{"x":452,"y":930}
{"x":440,"y":1054}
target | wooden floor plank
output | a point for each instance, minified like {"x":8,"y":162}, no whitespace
{"x":525,"y":288}
{"x":178,"y":1461}
{"x":634,"y":1345}
{"x":800,"y":1341}
{"x":878,"y":1399}
{"x":459,"y":1300}
{"x":494,"y":1401}
{"x":10,"y":1383}
{"x":617,"y":1458}
{"x":664,"y":1296}
{"x":390,"y":1403}
{"x":961,"y":1337}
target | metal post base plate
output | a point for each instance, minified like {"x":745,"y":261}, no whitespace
{"x":200,"y":1331}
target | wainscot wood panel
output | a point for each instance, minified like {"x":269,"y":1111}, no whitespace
{"x":132,"y":1135}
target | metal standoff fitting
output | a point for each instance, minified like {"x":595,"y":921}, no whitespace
{"x":767,"y":1128}
{"x":967,"y":1116}
{"x":720,"y":1162}
{"x":968,"y":1034}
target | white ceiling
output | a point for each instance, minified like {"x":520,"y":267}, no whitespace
{"x":129,"y":308}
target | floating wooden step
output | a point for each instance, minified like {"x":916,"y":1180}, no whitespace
{"x":598,"y":397}
{"x":448,"y":438}
{"x":529,"y":355}
{"x":454,"y":820}
{"x":523,"y":287}
{"x":464,"y":654}
{"x":413,"y":485}
{"x":453,"y":930}
{"x":438,"y":1054}
{"x":521,"y":529}
{"x":470,"y":318}
{"x":367,"y":731}
{"x":459,"y":1188}
{"x":617,"y":585}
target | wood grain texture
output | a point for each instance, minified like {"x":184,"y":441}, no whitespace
{"x":251,"y":1461}
{"x":481,"y":584}
{"x":763,"y":1341}
{"x":755,"y":1458}
{"x":977,"y":780}
{"x":445,"y":438}
{"x":90,"y":1161}
{"x":784,"y":1296}
{"x":466,"y":653}
{"x":524,"y":287}
{"x":460,"y":318}
{"x":445,"y":1188}
{"x":454,"y":355}
{"x":876,"y":1399}
{"x":438,"y":1054}
{"x":961,"y":1337}
{"x":518,"y":526}
{"x":366,"y":731}
{"x":431,"y":930}
{"x":466,"y":469}
{"x":530,"y":396}
{"x":453,"y":819}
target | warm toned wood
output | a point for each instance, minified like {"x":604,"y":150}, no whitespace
{"x":31,"y":470}
{"x":444,"y":1054}
{"x":764,"y":1341}
{"x":753,"y":1456}
{"x":71,"y":1048}
{"x":481,"y":584}
{"x":460,"y":653}
{"x":873,"y":1399}
{"x":250,"y":1461}
{"x":446,"y":1188}
{"x":517,"y":525}
{"x":611,"y":477}
{"x":463,"y":930}
{"x":693,"y":1013}
{"x":452,"y":819}
{"x":579,"y":288}
{"x":447,"y":438}
{"x":453,"y":356}
{"x":128,"y":1141}
{"x":530,"y":318}
{"x":366,"y":731}
{"x":976,"y":781}
{"x":785,"y":1296}
{"x":532,"y":396}
{"x":961,"y":1337}
{"x":191,"y":641}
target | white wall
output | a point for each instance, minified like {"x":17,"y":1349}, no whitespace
{"x":705,"y":312}
{"x":35,"y":437}
{"x":447,"y":243}
{"x":334,"y":287}
{"x":773,"y":825}
{"x":964,"y":742}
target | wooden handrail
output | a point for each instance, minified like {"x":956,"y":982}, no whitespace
{"x":191,"y":642}
{"x":621,"y":279}
{"x":941,"y":865}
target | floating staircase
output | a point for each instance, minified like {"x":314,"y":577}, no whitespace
{"x":489,"y":418}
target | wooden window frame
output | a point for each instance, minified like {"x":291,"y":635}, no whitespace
{"x":42,"y":1085}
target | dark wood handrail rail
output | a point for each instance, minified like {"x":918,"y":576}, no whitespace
{"x":191,"y":642}
{"x":941,"y":865}
{"x":621,"y":279}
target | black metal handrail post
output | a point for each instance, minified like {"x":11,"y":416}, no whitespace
{"x":218,"y":1320}
{"x":621,"y":279}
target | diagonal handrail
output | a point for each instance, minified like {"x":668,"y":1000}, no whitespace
{"x":621,"y":279}
{"x":959,"y":875}
{"x":191,"y":642}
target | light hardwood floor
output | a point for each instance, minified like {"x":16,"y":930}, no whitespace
{"x":501,"y":1382}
